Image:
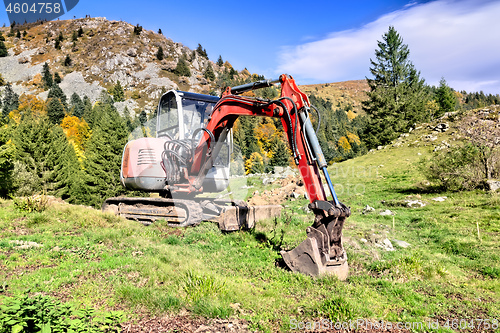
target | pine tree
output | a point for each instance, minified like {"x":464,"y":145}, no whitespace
{"x":209,"y":73}
{"x":10,"y":101}
{"x":3,"y":49}
{"x":34,"y":142}
{"x":220,"y":62}
{"x":281,"y":153}
{"x":182,"y":68}
{"x":80,"y":32}
{"x":7,"y":153}
{"x":397,"y":93}
{"x":143,"y":118}
{"x":76,"y":105}
{"x":117,"y":92}
{"x":87,"y":113}
{"x":137,"y":29}
{"x":160,"y":32}
{"x":47,"y":77}
{"x":159,"y":54}
{"x":201,"y":51}
{"x":55,"y":110}
{"x":103,"y":155}
{"x":57,"y":78}
{"x":65,"y":180}
{"x":74,"y":37}
{"x":445,"y":98}
{"x":18,"y":34}
{"x":56,"y":92}
{"x":2,"y":37}
{"x":67,"y":61}
{"x":57,"y":44}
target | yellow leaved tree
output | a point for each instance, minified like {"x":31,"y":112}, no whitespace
{"x":265,"y":133}
{"x":28,"y":103}
{"x":78,"y":133}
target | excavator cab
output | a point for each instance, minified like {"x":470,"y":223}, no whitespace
{"x":180,"y":116}
{"x":181,"y":113}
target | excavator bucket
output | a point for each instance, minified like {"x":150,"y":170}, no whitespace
{"x":322,"y":252}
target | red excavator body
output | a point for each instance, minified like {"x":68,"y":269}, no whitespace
{"x":190,"y":156}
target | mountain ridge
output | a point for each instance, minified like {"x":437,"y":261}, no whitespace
{"x":111,"y":51}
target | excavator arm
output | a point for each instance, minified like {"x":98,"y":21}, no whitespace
{"x":191,"y":131}
{"x":322,"y":251}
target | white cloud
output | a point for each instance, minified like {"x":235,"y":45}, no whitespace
{"x":455,"y":39}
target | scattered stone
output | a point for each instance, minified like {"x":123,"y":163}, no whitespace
{"x":132,"y":52}
{"x":415,"y":203}
{"x":368,"y":209}
{"x":294,"y":195}
{"x":442,"y":146}
{"x":442,"y":127}
{"x":267,"y":180}
{"x":363,"y":240}
{"x":278,"y":170}
{"x":306,"y":208}
{"x":380,"y":147}
{"x":24,"y":244}
{"x":401,"y":243}
{"x":440,"y":199}
{"x":430,"y":137}
{"x":386,"y":213}
{"x":493,"y":185}
{"x":385,"y":244}
{"x":23,"y":60}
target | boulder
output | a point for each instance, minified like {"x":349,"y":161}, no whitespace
{"x":442,"y":127}
{"x":493,"y":185}
{"x":368,"y":209}
{"x":132,"y":52}
{"x":386,"y":213}
{"x":400,"y":243}
{"x":385,"y":244}
{"x":415,"y":203}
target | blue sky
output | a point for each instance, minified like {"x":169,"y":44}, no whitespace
{"x":326,"y":41}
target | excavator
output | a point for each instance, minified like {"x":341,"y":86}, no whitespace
{"x":190,"y":157}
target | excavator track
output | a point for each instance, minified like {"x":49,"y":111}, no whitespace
{"x":177,"y":212}
{"x":228,"y":214}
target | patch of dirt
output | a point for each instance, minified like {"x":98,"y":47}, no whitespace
{"x":185,"y":324}
{"x":290,"y":187}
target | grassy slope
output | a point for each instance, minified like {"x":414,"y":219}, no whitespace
{"x":341,"y":94}
{"x":90,"y":258}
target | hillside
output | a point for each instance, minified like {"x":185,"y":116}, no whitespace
{"x":109,"y":51}
{"x":344,"y":95}
{"x":416,"y":255}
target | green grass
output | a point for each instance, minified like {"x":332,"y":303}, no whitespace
{"x":88,"y":258}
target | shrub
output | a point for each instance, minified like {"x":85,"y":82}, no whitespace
{"x":455,"y":169}
{"x":32,"y":203}
{"x":44,"y":314}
